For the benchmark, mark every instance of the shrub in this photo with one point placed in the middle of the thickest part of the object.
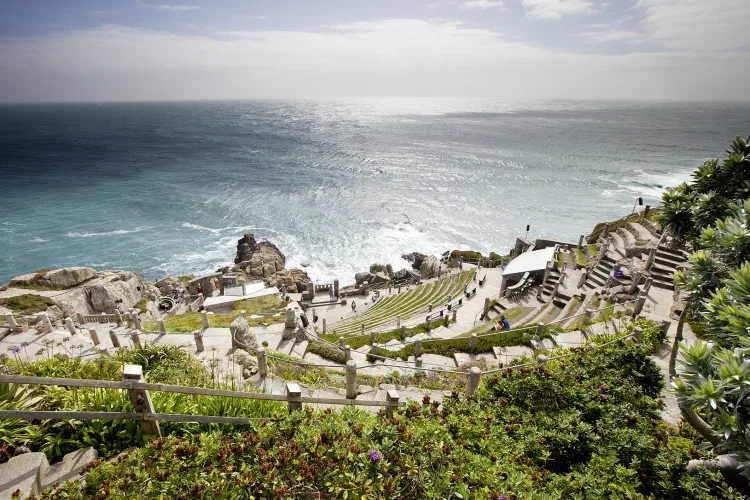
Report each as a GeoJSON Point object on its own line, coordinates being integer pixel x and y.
{"type": "Point", "coordinates": [327, 351]}
{"type": "Point", "coordinates": [27, 303]}
{"type": "Point", "coordinates": [467, 255]}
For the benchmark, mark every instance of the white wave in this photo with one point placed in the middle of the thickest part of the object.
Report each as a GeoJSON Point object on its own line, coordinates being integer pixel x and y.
{"type": "Point", "coordinates": [116, 232]}
{"type": "Point", "coordinates": [37, 239]}
{"type": "Point", "coordinates": [198, 227]}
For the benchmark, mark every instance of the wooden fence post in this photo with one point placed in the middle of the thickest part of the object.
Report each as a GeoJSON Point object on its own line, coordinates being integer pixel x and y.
{"type": "Point", "coordinates": [135, 337]}
{"type": "Point", "coordinates": [391, 396]}
{"type": "Point", "coordinates": [472, 381]}
{"type": "Point", "coordinates": [294, 392]}
{"type": "Point", "coordinates": [351, 379]}
{"type": "Point", "coordinates": [473, 342]}
{"type": "Point", "coordinates": [639, 303]}
{"type": "Point", "coordinates": [418, 348]}
{"type": "Point", "coordinates": [94, 335]}
{"type": "Point", "coordinates": [141, 399]}
{"type": "Point", "coordinates": [403, 333]}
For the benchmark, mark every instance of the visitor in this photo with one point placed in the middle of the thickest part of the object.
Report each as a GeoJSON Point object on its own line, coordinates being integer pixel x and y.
{"type": "Point", "coordinates": [200, 289]}
{"type": "Point", "coordinates": [506, 323]}
{"type": "Point", "coordinates": [283, 290]}
{"type": "Point", "coordinates": [354, 307]}
{"type": "Point", "coordinates": [330, 293]}
{"type": "Point", "coordinates": [497, 326]}
{"type": "Point", "coordinates": [315, 316]}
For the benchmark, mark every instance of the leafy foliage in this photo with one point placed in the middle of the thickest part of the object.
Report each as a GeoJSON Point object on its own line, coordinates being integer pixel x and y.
{"type": "Point", "coordinates": [586, 429]}
{"type": "Point", "coordinates": [27, 303]}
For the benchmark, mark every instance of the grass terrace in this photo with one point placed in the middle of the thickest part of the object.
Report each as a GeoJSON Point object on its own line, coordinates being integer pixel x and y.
{"type": "Point", "coordinates": [405, 305]}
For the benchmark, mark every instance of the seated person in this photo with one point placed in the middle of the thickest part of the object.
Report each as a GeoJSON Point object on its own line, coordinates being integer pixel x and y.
{"type": "Point", "coordinates": [506, 323]}
{"type": "Point", "coordinates": [501, 324]}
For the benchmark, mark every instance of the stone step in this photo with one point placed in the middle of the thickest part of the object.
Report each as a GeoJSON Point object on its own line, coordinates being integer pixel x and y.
{"type": "Point", "coordinates": [660, 270]}
{"type": "Point", "coordinates": [618, 241]}
{"type": "Point", "coordinates": [298, 349]}
{"type": "Point", "coordinates": [676, 254]}
{"type": "Point", "coordinates": [666, 261]}
{"type": "Point", "coordinates": [643, 233]}
{"type": "Point", "coordinates": [463, 358]}
{"type": "Point", "coordinates": [69, 468]}
{"type": "Point", "coordinates": [627, 237]}
{"type": "Point", "coordinates": [31, 473]}
{"type": "Point", "coordinates": [507, 354]}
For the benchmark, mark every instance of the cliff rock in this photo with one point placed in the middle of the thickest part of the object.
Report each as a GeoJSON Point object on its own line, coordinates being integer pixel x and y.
{"type": "Point", "coordinates": [430, 267]}
{"type": "Point", "coordinates": [360, 278]}
{"type": "Point", "coordinates": [264, 260]}
{"type": "Point", "coordinates": [58, 278]}
{"type": "Point", "coordinates": [415, 258]}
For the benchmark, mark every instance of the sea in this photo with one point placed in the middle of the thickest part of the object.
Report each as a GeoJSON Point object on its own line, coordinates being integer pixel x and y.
{"type": "Point", "coordinates": [167, 189]}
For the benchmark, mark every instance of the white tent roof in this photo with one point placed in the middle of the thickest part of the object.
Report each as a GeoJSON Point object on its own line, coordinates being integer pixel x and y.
{"type": "Point", "coordinates": [535, 260]}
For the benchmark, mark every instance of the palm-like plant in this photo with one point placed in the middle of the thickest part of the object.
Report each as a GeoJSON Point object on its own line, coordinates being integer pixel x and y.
{"type": "Point", "coordinates": [676, 214]}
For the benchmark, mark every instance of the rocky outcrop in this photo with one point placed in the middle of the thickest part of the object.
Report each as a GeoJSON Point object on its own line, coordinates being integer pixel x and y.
{"type": "Point", "coordinates": [248, 362]}
{"type": "Point", "coordinates": [430, 267]}
{"type": "Point", "coordinates": [405, 274]}
{"type": "Point", "coordinates": [264, 260]}
{"type": "Point", "coordinates": [360, 278]}
{"type": "Point", "coordinates": [104, 291]}
{"type": "Point", "coordinates": [415, 258]}
{"type": "Point", "coordinates": [67, 277]}
{"type": "Point", "coordinates": [380, 277]}
{"type": "Point", "coordinates": [242, 336]}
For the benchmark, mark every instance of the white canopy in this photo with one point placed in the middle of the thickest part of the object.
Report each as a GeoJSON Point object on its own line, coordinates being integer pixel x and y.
{"type": "Point", "coordinates": [536, 260]}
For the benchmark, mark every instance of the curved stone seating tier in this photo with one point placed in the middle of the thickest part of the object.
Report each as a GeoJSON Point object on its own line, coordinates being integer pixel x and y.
{"type": "Point", "coordinates": [404, 305]}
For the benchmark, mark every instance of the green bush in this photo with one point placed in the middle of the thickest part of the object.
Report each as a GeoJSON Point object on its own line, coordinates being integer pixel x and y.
{"type": "Point", "coordinates": [587, 429]}
{"type": "Point", "coordinates": [467, 255]}
{"type": "Point", "coordinates": [27, 303]}
{"type": "Point", "coordinates": [460, 344]}
{"type": "Point", "coordinates": [327, 351]}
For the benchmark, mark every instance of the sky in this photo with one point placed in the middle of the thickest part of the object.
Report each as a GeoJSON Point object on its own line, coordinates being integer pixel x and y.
{"type": "Point", "coordinates": [132, 50]}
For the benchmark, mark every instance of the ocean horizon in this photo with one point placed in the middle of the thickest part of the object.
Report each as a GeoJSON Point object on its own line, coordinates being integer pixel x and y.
{"type": "Point", "coordinates": [167, 188]}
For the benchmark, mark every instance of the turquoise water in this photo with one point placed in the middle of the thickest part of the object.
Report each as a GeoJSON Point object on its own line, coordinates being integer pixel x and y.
{"type": "Point", "coordinates": [167, 189]}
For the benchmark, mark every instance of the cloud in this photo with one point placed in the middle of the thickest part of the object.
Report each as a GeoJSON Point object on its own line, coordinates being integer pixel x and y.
{"type": "Point", "coordinates": [605, 34]}
{"type": "Point", "coordinates": [177, 7]}
{"type": "Point", "coordinates": [556, 9]}
{"type": "Point", "coordinates": [483, 4]}
{"type": "Point", "coordinates": [702, 25]}
{"type": "Point", "coordinates": [396, 57]}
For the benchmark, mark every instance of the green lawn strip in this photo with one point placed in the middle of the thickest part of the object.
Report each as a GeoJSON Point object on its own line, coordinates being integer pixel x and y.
{"type": "Point", "coordinates": [383, 337]}
{"type": "Point", "coordinates": [436, 293]}
{"type": "Point", "coordinates": [510, 315]}
{"type": "Point", "coordinates": [551, 314]}
{"type": "Point", "coordinates": [378, 309]}
{"type": "Point", "coordinates": [606, 314]}
{"type": "Point", "coordinates": [402, 310]}
{"type": "Point", "coordinates": [593, 251]}
{"type": "Point", "coordinates": [581, 257]}
{"type": "Point", "coordinates": [450, 346]}
{"type": "Point", "coordinates": [258, 305]}
{"type": "Point", "coordinates": [189, 322]}
{"type": "Point", "coordinates": [27, 303]}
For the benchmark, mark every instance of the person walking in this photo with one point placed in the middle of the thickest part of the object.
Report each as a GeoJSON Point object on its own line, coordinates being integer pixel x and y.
{"type": "Point", "coordinates": [330, 293]}
{"type": "Point", "coordinates": [354, 307]}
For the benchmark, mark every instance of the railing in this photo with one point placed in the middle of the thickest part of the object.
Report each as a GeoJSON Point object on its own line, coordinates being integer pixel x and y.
{"type": "Point", "coordinates": [100, 318]}
{"type": "Point", "coordinates": [196, 304]}
{"type": "Point", "coordinates": [139, 394]}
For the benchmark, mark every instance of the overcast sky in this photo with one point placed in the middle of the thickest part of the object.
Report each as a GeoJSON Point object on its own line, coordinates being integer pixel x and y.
{"type": "Point", "coordinates": [108, 50]}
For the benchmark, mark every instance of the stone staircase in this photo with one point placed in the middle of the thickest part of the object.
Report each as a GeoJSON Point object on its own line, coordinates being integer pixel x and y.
{"type": "Point", "coordinates": [663, 268]}
{"type": "Point", "coordinates": [600, 274]}
{"type": "Point", "coordinates": [31, 474]}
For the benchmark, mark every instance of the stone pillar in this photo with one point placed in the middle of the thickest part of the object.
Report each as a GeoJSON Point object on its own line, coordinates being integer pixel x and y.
{"type": "Point", "coordinates": [503, 286]}
{"type": "Point", "coordinates": [638, 334]}
{"type": "Point", "coordinates": [454, 315]}
{"type": "Point", "coordinates": [135, 338]}
{"type": "Point", "coordinates": [118, 317]}
{"type": "Point", "coordinates": [584, 276]}
{"type": "Point", "coordinates": [347, 353]}
{"type": "Point", "coordinates": [374, 351]}
{"type": "Point", "coordinates": [398, 321]}
{"type": "Point", "coordinates": [324, 326]}
{"type": "Point", "coordinates": [243, 313]}
{"type": "Point", "coordinates": [47, 323]}
{"type": "Point", "coordinates": [428, 324]}
{"type": "Point", "coordinates": [639, 304]}
{"type": "Point", "coordinates": [351, 380]}
{"type": "Point", "coordinates": [418, 362]}
{"type": "Point", "coordinates": [651, 257]}
{"type": "Point", "coordinates": [342, 341]}
{"type": "Point", "coordinates": [392, 397]}
{"type": "Point", "coordinates": [635, 283]}
{"type": "Point", "coordinates": [647, 286]}
{"type": "Point", "coordinates": [336, 288]}
{"type": "Point", "coordinates": [204, 317]}
{"type": "Point", "coordinates": [466, 288]}
{"type": "Point", "coordinates": [71, 327]}
{"type": "Point", "coordinates": [473, 343]}
{"type": "Point", "coordinates": [198, 336]}
{"type": "Point", "coordinates": [429, 307]}
{"type": "Point", "coordinates": [606, 230]}
{"type": "Point", "coordinates": [262, 362]}
{"type": "Point", "coordinates": [418, 348]}
{"type": "Point", "coordinates": [136, 319]}
{"type": "Point", "coordinates": [79, 318]}
{"type": "Point", "coordinates": [294, 392]}
{"type": "Point", "coordinates": [114, 338]}
{"type": "Point", "coordinates": [542, 359]}
{"type": "Point", "coordinates": [540, 330]}
{"type": "Point", "coordinates": [94, 336]}
{"type": "Point", "coordinates": [141, 399]}
{"type": "Point", "coordinates": [645, 213]}
{"type": "Point", "coordinates": [403, 333]}
{"type": "Point", "coordinates": [399, 289]}
{"type": "Point", "coordinates": [580, 242]}
{"type": "Point", "coordinates": [162, 328]}
{"type": "Point", "coordinates": [472, 381]}
{"type": "Point", "coordinates": [291, 319]}
{"type": "Point", "coordinates": [372, 338]}
{"type": "Point", "coordinates": [311, 290]}
{"type": "Point", "coordinates": [486, 309]}
{"type": "Point", "coordinates": [129, 320]}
